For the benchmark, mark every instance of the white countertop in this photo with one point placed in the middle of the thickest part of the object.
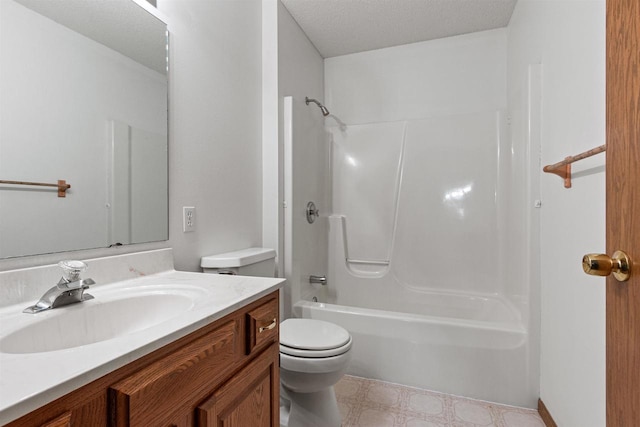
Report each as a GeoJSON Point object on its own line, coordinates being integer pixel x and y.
{"type": "Point", "coordinates": [29, 381]}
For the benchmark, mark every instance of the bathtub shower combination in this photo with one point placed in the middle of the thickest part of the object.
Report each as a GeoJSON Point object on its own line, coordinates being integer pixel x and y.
{"type": "Point", "coordinates": [430, 254]}
{"type": "Point", "coordinates": [423, 263]}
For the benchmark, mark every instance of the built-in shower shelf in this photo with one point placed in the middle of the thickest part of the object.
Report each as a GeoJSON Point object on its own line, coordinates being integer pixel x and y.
{"type": "Point", "coordinates": [367, 261]}
{"type": "Point", "coordinates": [563, 168]}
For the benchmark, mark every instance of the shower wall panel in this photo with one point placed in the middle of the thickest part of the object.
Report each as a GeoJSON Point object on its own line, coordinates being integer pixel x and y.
{"type": "Point", "coordinates": [366, 173]}
{"type": "Point", "coordinates": [422, 197]}
{"type": "Point", "coordinates": [447, 232]}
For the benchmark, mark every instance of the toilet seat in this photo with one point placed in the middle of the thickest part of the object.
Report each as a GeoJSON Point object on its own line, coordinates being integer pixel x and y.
{"type": "Point", "coordinates": [314, 354]}
{"type": "Point", "coordinates": [315, 365]}
{"type": "Point", "coordinates": [313, 338]}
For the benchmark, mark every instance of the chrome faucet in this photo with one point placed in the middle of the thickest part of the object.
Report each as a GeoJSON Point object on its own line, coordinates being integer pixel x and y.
{"type": "Point", "coordinates": [69, 290]}
{"type": "Point", "coordinates": [318, 279]}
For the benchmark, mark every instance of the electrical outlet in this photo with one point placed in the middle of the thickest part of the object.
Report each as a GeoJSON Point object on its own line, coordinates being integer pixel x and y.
{"type": "Point", "coordinates": [188, 219]}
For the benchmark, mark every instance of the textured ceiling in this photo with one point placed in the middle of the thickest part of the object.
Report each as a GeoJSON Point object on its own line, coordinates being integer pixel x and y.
{"type": "Point", "coordinates": [121, 25]}
{"type": "Point", "coordinates": [339, 27]}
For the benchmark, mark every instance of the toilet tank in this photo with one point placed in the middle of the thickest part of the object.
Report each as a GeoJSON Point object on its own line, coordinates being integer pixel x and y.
{"type": "Point", "coordinates": [247, 262]}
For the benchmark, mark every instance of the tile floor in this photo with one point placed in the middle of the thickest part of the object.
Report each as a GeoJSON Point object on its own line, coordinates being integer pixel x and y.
{"type": "Point", "coordinates": [372, 403]}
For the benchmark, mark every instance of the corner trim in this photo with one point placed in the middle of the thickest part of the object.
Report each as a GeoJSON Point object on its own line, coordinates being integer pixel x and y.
{"type": "Point", "coordinates": [545, 415]}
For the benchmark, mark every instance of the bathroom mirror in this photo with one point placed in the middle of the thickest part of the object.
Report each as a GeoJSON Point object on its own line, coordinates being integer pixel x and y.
{"type": "Point", "coordinates": [83, 99]}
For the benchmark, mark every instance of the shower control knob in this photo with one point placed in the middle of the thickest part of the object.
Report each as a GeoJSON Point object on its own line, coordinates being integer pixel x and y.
{"type": "Point", "coordinates": [603, 265]}
{"type": "Point", "coordinates": [312, 212]}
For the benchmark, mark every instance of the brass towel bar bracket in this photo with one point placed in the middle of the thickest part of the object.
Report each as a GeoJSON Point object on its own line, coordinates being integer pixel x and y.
{"type": "Point", "coordinates": [61, 185]}
{"type": "Point", "coordinates": [563, 168]}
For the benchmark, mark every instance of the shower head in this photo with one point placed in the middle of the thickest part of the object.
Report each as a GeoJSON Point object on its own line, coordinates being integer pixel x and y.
{"type": "Point", "coordinates": [324, 110]}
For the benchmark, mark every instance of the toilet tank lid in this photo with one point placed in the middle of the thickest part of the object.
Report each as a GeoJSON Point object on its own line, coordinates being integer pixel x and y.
{"type": "Point", "coordinates": [237, 258]}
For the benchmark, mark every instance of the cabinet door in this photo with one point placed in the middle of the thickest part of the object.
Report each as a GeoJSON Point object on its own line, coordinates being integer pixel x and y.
{"type": "Point", "coordinates": [172, 386]}
{"type": "Point", "coordinates": [250, 398]}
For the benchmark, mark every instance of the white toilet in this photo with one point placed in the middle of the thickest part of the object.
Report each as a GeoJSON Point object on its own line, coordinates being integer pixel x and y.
{"type": "Point", "coordinates": [314, 354]}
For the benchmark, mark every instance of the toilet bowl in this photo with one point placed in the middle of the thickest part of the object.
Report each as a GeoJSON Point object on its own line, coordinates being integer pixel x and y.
{"type": "Point", "coordinates": [314, 355]}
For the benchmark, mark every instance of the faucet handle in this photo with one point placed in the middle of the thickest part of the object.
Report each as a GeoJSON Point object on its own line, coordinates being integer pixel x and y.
{"type": "Point", "coordinates": [71, 269]}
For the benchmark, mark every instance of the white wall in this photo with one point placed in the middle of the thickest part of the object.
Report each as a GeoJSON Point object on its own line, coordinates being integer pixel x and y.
{"type": "Point", "coordinates": [568, 39]}
{"type": "Point", "coordinates": [214, 132]}
{"type": "Point", "coordinates": [300, 74]}
{"type": "Point", "coordinates": [215, 126]}
{"type": "Point", "coordinates": [52, 128]}
{"type": "Point", "coordinates": [454, 75]}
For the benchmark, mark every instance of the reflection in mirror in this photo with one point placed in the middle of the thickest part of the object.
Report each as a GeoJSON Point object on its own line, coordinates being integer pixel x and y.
{"type": "Point", "coordinates": [84, 99]}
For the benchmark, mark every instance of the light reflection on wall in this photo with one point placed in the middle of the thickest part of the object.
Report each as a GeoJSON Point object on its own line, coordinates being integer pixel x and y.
{"type": "Point", "coordinates": [455, 197]}
{"type": "Point", "coordinates": [352, 161]}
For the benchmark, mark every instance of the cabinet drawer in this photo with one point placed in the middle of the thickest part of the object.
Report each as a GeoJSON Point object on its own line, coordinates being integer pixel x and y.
{"type": "Point", "coordinates": [262, 325]}
{"type": "Point", "coordinates": [152, 395]}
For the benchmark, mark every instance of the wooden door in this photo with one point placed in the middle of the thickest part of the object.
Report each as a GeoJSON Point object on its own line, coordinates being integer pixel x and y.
{"type": "Point", "coordinates": [623, 210]}
{"type": "Point", "coordinates": [250, 398]}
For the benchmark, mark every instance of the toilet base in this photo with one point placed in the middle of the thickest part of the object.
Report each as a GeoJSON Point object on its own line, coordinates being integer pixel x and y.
{"type": "Point", "coordinates": [319, 409]}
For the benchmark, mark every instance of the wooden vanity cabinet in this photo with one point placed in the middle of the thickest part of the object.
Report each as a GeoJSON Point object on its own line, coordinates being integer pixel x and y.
{"type": "Point", "coordinates": [225, 374]}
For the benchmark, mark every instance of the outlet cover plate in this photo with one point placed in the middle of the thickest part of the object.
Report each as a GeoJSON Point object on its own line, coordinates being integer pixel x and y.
{"type": "Point", "coordinates": [188, 219]}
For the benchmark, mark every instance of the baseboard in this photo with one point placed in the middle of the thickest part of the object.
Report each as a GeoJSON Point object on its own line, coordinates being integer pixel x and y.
{"type": "Point", "coordinates": [545, 415]}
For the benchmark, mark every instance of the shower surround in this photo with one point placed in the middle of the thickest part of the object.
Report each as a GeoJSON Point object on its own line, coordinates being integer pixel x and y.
{"type": "Point", "coordinates": [430, 243]}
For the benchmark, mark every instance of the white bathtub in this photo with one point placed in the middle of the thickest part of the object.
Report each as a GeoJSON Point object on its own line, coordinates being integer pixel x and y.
{"type": "Point", "coordinates": [483, 357]}
{"type": "Point", "coordinates": [445, 332]}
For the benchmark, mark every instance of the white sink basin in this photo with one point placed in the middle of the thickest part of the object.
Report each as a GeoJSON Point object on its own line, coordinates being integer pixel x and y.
{"type": "Point", "coordinates": [109, 315]}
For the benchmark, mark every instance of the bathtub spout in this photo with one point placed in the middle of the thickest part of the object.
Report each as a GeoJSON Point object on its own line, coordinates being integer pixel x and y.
{"type": "Point", "coordinates": [318, 279]}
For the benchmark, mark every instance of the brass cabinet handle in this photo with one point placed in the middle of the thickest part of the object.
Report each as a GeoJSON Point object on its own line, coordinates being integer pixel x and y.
{"type": "Point", "coordinates": [272, 325]}
{"type": "Point", "coordinates": [603, 265]}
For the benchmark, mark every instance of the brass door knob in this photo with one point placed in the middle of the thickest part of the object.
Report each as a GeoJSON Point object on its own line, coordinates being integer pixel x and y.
{"type": "Point", "coordinates": [603, 265]}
